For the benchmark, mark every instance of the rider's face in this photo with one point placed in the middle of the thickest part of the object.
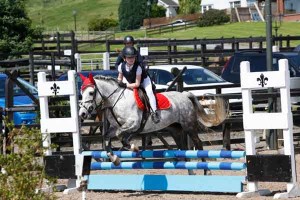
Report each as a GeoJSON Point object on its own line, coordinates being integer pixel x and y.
{"type": "Point", "coordinates": [129, 44]}
{"type": "Point", "coordinates": [130, 60]}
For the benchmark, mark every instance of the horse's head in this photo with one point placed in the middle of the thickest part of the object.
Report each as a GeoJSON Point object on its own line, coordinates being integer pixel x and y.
{"type": "Point", "coordinates": [88, 92]}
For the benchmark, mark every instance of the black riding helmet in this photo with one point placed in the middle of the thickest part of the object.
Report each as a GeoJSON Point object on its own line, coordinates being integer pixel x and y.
{"type": "Point", "coordinates": [129, 52]}
{"type": "Point", "coordinates": [128, 39]}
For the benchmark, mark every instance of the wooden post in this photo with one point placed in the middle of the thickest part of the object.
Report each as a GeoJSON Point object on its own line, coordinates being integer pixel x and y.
{"type": "Point", "coordinates": [53, 67]}
{"type": "Point", "coordinates": [288, 41]}
{"type": "Point", "coordinates": [280, 41]}
{"type": "Point", "coordinates": [203, 49]}
{"type": "Point", "coordinates": [73, 41]}
{"type": "Point", "coordinates": [58, 44]}
{"type": "Point", "coordinates": [195, 48]}
{"type": "Point", "coordinates": [9, 93]}
{"type": "Point", "coordinates": [107, 45]}
{"type": "Point", "coordinates": [31, 67]}
{"type": "Point", "coordinates": [43, 47]}
{"type": "Point", "coordinates": [175, 51]}
{"type": "Point", "coordinates": [250, 43]}
{"type": "Point", "coordinates": [169, 52]}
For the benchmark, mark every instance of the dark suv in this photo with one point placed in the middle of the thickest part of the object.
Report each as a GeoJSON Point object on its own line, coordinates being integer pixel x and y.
{"type": "Point", "coordinates": [257, 59]}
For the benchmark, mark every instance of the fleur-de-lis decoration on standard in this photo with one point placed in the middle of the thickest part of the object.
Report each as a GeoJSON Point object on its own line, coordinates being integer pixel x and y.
{"type": "Point", "coordinates": [55, 89]}
{"type": "Point", "coordinates": [262, 80]}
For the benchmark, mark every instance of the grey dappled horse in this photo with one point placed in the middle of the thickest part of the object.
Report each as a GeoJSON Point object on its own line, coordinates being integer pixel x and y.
{"type": "Point", "coordinates": [183, 117]}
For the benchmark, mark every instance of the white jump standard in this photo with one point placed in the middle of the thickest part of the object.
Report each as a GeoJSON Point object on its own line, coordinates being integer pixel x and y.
{"type": "Point", "coordinates": [270, 168]}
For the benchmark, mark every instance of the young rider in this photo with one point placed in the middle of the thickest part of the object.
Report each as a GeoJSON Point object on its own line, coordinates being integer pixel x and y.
{"type": "Point", "coordinates": [132, 76]}
{"type": "Point", "coordinates": [128, 42]}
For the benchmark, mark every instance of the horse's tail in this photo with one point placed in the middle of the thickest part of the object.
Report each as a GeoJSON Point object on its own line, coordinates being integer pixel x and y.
{"type": "Point", "coordinates": [215, 114]}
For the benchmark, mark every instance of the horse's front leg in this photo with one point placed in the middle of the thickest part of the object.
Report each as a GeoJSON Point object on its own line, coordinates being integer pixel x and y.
{"type": "Point", "coordinates": [125, 133]}
{"type": "Point", "coordinates": [107, 146]}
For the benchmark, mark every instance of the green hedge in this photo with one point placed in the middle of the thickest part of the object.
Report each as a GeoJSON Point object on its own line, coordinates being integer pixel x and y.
{"type": "Point", "coordinates": [213, 17]}
{"type": "Point", "coordinates": [98, 24]}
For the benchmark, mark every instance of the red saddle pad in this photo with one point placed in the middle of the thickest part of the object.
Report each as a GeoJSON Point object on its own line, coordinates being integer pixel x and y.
{"type": "Point", "coordinates": [163, 102]}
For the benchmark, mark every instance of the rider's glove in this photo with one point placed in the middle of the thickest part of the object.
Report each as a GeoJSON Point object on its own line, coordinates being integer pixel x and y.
{"type": "Point", "coordinates": [121, 84]}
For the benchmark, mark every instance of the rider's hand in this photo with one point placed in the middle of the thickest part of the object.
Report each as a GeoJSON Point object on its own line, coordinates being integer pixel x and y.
{"type": "Point", "coordinates": [121, 84]}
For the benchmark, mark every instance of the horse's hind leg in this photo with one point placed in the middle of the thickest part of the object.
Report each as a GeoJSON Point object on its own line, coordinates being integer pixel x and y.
{"type": "Point", "coordinates": [125, 139]}
{"type": "Point", "coordinates": [180, 138]}
{"type": "Point", "coordinates": [198, 145]}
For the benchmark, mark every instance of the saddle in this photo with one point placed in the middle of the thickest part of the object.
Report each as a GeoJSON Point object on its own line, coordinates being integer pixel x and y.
{"type": "Point", "coordinates": [143, 103]}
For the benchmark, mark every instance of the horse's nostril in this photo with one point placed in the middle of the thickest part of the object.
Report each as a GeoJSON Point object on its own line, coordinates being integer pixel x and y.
{"type": "Point", "coordinates": [91, 108]}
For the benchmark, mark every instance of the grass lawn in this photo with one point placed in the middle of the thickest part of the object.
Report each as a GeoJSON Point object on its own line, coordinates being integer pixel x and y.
{"type": "Point", "coordinates": [238, 30]}
{"type": "Point", "coordinates": [58, 14]}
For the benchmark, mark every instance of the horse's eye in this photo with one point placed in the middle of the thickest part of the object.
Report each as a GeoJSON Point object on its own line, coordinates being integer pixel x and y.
{"type": "Point", "coordinates": [91, 93]}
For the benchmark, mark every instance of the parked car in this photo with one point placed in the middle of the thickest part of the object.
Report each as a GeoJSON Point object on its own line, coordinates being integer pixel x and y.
{"type": "Point", "coordinates": [194, 76]}
{"type": "Point", "coordinates": [20, 99]}
{"type": "Point", "coordinates": [257, 59]}
{"type": "Point", "coordinates": [112, 73]}
{"type": "Point", "coordinates": [178, 22]}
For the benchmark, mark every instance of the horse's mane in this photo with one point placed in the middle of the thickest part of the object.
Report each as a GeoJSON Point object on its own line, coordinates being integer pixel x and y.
{"type": "Point", "coordinates": [107, 78]}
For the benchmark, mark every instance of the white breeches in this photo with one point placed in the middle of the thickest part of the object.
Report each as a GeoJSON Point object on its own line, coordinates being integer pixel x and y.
{"type": "Point", "coordinates": [148, 87]}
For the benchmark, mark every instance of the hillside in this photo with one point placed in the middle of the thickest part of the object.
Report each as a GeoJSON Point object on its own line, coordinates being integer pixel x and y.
{"type": "Point", "coordinates": [58, 14]}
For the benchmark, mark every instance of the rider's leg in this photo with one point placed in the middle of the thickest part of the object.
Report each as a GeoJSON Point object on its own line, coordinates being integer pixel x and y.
{"type": "Point", "coordinates": [148, 88]}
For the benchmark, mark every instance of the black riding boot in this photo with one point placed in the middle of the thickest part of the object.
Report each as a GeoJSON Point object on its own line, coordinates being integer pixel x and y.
{"type": "Point", "coordinates": [155, 117]}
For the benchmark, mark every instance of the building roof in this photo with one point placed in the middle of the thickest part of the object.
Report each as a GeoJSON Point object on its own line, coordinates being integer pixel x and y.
{"type": "Point", "coordinates": [169, 3]}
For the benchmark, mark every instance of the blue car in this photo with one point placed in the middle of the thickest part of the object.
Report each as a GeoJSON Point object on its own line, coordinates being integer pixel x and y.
{"type": "Point", "coordinates": [20, 99]}
{"type": "Point", "coordinates": [111, 73]}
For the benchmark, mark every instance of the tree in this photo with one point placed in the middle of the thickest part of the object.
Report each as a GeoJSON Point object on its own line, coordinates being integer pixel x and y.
{"type": "Point", "coordinates": [189, 6]}
{"type": "Point", "coordinates": [16, 33]}
{"type": "Point", "coordinates": [132, 13]}
{"type": "Point", "coordinates": [157, 11]}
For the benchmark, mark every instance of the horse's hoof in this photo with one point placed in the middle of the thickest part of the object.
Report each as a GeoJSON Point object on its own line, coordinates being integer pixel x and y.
{"type": "Point", "coordinates": [114, 159]}
{"type": "Point", "coordinates": [134, 148]}
{"type": "Point", "coordinates": [208, 173]}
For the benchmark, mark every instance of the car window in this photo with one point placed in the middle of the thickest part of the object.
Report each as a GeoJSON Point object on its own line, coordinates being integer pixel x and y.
{"type": "Point", "coordinates": [295, 61]}
{"type": "Point", "coordinates": [152, 75]}
{"type": "Point", "coordinates": [163, 77]}
{"type": "Point", "coordinates": [257, 62]}
{"type": "Point", "coordinates": [200, 76]}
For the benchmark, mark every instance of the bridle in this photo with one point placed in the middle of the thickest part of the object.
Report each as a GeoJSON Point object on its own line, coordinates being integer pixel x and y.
{"type": "Point", "coordinates": [90, 109]}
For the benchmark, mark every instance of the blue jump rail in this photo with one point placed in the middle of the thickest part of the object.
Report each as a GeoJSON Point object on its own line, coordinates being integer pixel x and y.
{"type": "Point", "coordinates": [170, 165]}
{"type": "Point", "coordinates": [170, 154]}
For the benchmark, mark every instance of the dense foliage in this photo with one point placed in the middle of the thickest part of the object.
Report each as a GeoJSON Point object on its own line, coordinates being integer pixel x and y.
{"type": "Point", "coordinates": [213, 17]}
{"type": "Point", "coordinates": [189, 6]}
{"type": "Point", "coordinates": [98, 24]}
{"type": "Point", "coordinates": [157, 11]}
{"type": "Point", "coordinates": [132, 13]}
{"type": "Point", "coordinates": [22, 171]}
{"type": "Point", "coordinates": [16, 33]}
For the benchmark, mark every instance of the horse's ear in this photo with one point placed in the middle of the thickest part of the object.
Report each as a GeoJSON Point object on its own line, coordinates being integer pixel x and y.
{"type": "Point", "coordinates": [91, 78]}
{"type": "Point", "coordinates": [82, 77]}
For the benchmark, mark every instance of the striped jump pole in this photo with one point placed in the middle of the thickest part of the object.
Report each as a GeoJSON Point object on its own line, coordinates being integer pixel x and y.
{"type": "Point", "coordinates": [164, 182]}
{"type": "Point", "coordinates": [170, 165]}
{"type": "Point", "coordinates": [169, 154]}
